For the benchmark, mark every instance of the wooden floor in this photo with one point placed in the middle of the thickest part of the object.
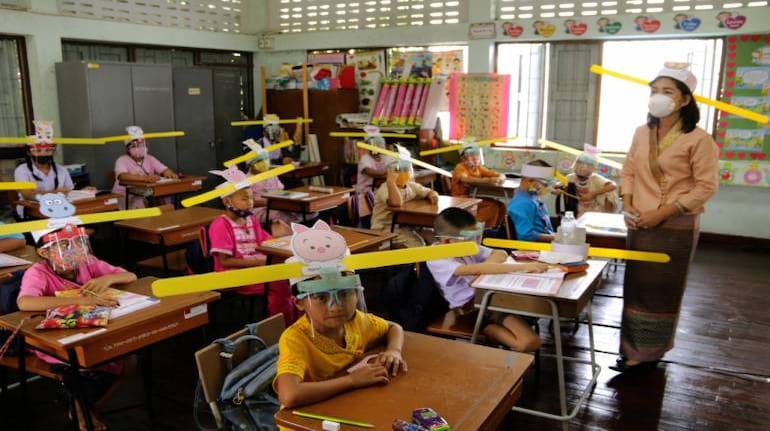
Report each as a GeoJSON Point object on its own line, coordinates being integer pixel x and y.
{"type": "Point", "coordinates": [716, 378]}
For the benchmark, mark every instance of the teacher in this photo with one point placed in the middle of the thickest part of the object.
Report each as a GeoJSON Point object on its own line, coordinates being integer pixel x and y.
{"type": "Point", "coordinates": [670, 172]}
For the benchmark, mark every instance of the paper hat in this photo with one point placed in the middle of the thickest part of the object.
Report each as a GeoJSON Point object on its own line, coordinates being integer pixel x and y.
{"type": "Point", "coordinates": [135, 133]}
{"type": "Point", "coordinates": [373, 136]}
{"type": "Point", "coordinates": [539, 172]}
{"type": "Point", "coordinates": [271, 120]}
{"type": "Point", "coordinates": [680, 72]}
{"type": "Point", "coordinates": [319, 247]}
{"type": "Point", "coordinates": [234, 176]}
{"type": "Point", "coordinates": [589, 156]}
{"type": "Point", "coordinates": [43, 132]}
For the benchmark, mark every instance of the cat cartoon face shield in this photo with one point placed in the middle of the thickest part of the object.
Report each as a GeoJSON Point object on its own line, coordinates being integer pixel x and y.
{"type": "Point", "coordinates": [68, 247]}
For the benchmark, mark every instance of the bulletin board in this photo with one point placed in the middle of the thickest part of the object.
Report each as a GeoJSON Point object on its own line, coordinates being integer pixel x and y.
{"type": "Point", "coordinates": [744, 144]}
{"type": "Point", "coordinates": [478, 105]}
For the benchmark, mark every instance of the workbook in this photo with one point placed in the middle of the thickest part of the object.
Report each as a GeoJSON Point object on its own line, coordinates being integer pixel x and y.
{"type": "Point", "coordinates": [281, 243]}
{"type": "Point", "coordinates": [128, 302]}
{"type": "Point", "coordinates": [546, 283]}
{"type": "Point", "coordinates": [285, 194]}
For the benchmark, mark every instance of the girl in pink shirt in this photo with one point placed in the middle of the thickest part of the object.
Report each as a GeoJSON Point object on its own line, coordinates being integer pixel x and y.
{"type": "Point", "coordinates": [138, 165]}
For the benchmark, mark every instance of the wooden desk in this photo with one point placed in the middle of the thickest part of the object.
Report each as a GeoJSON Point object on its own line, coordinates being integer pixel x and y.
{"type": "Point", "coordinates": [185, 184]}
{"type": "Point", "coordinates": [494, 191]}
{"type": "Point", "coordinates": [314, 202]}
{"type": "Point", "coordinates": [574, 295]}
{"type": "Point", "coordinates": [420, 212]}
{"type": "Point", "coordinates": [307, 170]}
{"type": "Point", "coordinates": [358, 240]}
{"type": "Point", "coordinates": [101, 203]}
{"type": "Point", "coordinates": [604, 229]}
{"type": "Point", "coordinates": [170, 228]}
{"type": "Point", "coordinates": [27, 252]}
{"type": "Point", "coordinates": [122, 336]}
{"type": "Point", "coordinates": [473, 387]}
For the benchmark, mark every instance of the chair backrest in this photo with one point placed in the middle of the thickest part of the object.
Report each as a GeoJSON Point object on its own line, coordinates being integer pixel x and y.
{"type": "Point", "coordinates": [212, 369]}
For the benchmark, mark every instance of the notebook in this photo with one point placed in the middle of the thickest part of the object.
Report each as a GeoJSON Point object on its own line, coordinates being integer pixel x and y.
{"type": "Point", "coordinates": [285, 194]}
{"type": "Point", "coordinates": [128, 302]}
{"type": "Point", "coordinates": [281, 243]}
{"type": "Point", "coordinates": [546, 283]}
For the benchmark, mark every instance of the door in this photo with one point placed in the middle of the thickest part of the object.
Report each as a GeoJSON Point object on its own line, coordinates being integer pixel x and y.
{"type": "Point", "coordinates": [154, 108]}
{"type": "Point", "coordinates": [227, 108]}
{"type": "Point", "coordinates": [572, 96]}
{"type": "Point", "coordinates": [194, 114]}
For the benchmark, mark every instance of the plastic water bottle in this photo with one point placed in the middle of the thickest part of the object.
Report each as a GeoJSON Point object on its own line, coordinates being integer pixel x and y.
{"type": "Point", "coordinates": [568, 226]}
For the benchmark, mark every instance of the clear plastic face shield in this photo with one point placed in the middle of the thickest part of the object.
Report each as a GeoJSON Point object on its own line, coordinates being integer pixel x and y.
{"type": "Point", "coordinates": [584, 167]}
{"type": "Point", "coordinates": [41, 153]}
{"type": "Point", "coordinates": [137, 148]}
{"type": "Point", "coordinates": [404, 170]}
{"type": "Point", "coordinates": [471, 156]}
{"type": "Point", "coordinates": [272, 132]}
{"type": "Point", "coordinates": [377, 141]}
{"type": "Point", "coordinates": [67, 248]}
{"type": "Point", "coordinates": [260, 163]}
{"type": "Point", "coordinates": [331, 299]}
{"type": "Point", "coordinates": [468, 234]}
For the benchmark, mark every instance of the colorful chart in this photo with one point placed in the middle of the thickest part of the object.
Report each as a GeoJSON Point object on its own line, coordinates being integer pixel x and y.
{"type": "Point", "coordinates": [478, 105]}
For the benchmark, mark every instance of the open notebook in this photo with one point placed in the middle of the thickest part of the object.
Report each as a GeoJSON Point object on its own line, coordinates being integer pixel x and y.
{"type": "Point", "coordinates": [128, 302]}
{"type": "Point", "coordinates": [546, 283]}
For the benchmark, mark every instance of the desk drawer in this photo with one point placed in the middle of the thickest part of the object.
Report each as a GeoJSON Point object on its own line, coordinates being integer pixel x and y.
{"type": "Point", "coordinates": [181, 236]}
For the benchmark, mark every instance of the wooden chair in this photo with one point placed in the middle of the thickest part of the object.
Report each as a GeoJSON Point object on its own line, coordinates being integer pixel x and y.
{"type": "Point", "coordinates": [212, 369]}
{"type": "Point", "coordinates": [455, 325]}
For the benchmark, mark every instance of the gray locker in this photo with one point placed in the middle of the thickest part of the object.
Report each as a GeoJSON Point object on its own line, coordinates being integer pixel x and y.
{"type": "Point", "coordinates": [194, 113]}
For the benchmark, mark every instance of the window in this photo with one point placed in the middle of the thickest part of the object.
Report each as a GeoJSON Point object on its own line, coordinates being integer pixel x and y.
{"type": "Point", "coordinates": [526, 63]}
{"type": "Point", "coordinates": [623, 105]}
{"type": "Point", "coordinates": [15, 106]}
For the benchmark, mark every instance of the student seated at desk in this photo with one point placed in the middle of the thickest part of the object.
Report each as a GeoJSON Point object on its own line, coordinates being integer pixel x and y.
{"type": "Point", "coordinates": [273, 133]}
{"type": "Point", "coordinates": [68, 264]}
{"type": "Point", "coordinates": [138, 165]}
{"type": "Point", "coordinates": [399, 188]}
{"type": "Point", "coordinates": [596, 193]}
{"type": "Point", "coordinates": [468, 173]}
{"type": "Point", "coordinates": [526, 210]}
{"type": "Point", "coordinates": [371, 165]}
{"type": "Point", "coordinates": [332, 335]}
{"type": "Point", "coordinates": [235, 236]}
{"type": "Point", "coordinates": [454, 277]}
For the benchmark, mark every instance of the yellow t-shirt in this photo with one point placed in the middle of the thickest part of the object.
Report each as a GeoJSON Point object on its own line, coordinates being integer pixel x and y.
{"type": "Point", "coordinates": [318, 358]}
{"type": "Point", "coordinates": [381, 215]}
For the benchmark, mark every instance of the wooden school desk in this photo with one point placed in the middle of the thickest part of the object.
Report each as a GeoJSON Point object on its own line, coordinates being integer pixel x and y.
{"type": "Point", "coordinates": [574, 295]}
{"type": "Point", "coordinates": [27, 253]}
{"type": "Point", "coordinates": [170, 228]}
{"type": "Point", "coordinates": [313, 202]}
{"type": "Point", "coordinates": [420, 212]}
{"type": "Point", "coordinates": [495, 191]}
{"type": "Point", "coordinates": [473, 387]}
{"type": "Point", "coordinates": [306, 170]}
{"type": "Point", "coordinates": [89, 347]}
{"type": "Point", "coordinates": [101, 203]}
{"type": "Point", "coordinates": [358, 240]}
{"type": "Point", "coordinates": [167, 187]}
{"type": "Point", "coordinates": [604, 229]}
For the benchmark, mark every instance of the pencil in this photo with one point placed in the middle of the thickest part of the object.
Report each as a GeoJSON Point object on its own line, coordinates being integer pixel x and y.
{"type": "Point", "coordinates": [363, 241]}
{"type": "Point", "coordinates": [329, 418]}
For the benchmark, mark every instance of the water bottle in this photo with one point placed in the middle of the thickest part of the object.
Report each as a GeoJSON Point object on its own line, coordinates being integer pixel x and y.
{"type": "Point", "coordinates": [568, 226]}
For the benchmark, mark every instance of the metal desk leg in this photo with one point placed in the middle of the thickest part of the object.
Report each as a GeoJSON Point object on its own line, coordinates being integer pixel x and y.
{"type": "Point", "coordinates": [474, 191]}
{"type": "Point", "coordinates": [79, 391]}
{"type": "Point", "coordinates": [480, 317]}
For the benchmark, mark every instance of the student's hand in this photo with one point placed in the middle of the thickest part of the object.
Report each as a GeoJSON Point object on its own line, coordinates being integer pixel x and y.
{"type": "Point", "coordinates": [391, 177]}
{"type": "Point", "coordinates": [152, 178]}
{"type": "Point", "coordinates": [280, 228]}
{"type": "Point", "coordinates": [392, 360]}
{"type": "Point", "coordinates": [534, 267]}
{"type": "Point", "coordinates": [587, 196]}
{"type": "Point", "coordinates": [97, 300]}
{"type": "Point", "coordinates": [98, 284]}
{"type": "Point", "coordinates": [650, 219]}
{"type": "Point", "coordinates": [287, 160]}
{"type": "Point", "coordinates": [368, 375]}
{"type": "Point", "coordinates": [433, 197]}
{"type": "Point", "coordinates": [170, 174]}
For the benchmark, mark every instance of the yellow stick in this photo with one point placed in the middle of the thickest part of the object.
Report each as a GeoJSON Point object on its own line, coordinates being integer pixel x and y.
{"type": "Point", "coordinates": [612, 253]}
{"type": "Point", "coordinates": [398, 156]}
{"type": "Point", "coordinates": [575, 151]}
{"type": "Point", "coordinates": [230, 188]}
{"type": "Point", "coordinates": [260, 122]}
{"type": "Point", "coordinates": [154, 135]}
{"type": "Point", "coordinates": [252, 154]}
{"type": "Point", "coordinates": [364, 135]}
{"type": "Point", "coordinates": [722, 106]}
{"type": "Point", "coordinates": [29, 226]}
{"type": "Point", "coordinates": [18, 185]}
{"type": "Point", "coordinates": [57, 141]}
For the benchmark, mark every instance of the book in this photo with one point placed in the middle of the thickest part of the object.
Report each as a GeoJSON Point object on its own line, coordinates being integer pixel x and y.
{"type": "Point", "coordinates": [282, 243]}
{"type": "Point", "coordinates": [285, 194]}
{"type": "Point", "coordinates": [79, 195]}
{"type": "Point", "coordinates": [7, 260]}
{"type": "Point", "coordinates": [128, 302]}
{"type": "Point", "coordinates": [546, 283]}
{"type": "Point", "coordinates": [321, 189]}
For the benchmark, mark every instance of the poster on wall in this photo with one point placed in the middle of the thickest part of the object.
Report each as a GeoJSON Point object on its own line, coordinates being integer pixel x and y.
{"type": "Point", "coordinates": [448, 62]}
{"type": "Point", "coordinates": [370, 69]}
{"type": "Point", "coordinates": [410, 64]}
{"type": "Point", "coordinates": [478, 105]}
{"type": "Point", "coordinates": [744, 144]}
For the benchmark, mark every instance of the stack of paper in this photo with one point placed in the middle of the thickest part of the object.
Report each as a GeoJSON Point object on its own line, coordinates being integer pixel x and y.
{"type": "Point", "coordinates": [546, 283]}
{"type": "Point", "coordinates": [7, 261]}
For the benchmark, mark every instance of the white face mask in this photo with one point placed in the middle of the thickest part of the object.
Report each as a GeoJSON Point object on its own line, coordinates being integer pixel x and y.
{"type": "Point", "coordinates": [660, 105]}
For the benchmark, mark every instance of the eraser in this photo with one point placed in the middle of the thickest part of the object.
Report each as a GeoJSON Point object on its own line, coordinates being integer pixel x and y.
{"type": "Point", "coordinates": [330, 426]}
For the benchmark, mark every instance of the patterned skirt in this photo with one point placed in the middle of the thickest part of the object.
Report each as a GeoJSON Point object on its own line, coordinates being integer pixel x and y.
{"type": "Point", "coordinates": [652, 292]}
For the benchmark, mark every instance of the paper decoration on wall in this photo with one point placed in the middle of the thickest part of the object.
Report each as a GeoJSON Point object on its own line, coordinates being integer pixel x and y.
{"type": "Point", "coordinates": [543, 28]}
{"type": "Point", "coordinates": [411, 64]}
{"type": "Point", "coordinates": [401, 102]}
{"type": "Point", "coordinates": [447, 62]}
{"type": "Point", "coordinates": [608, 25]}
{"type": "Point", "coordinates": [478, 105]}
{"type": "Point", "coordinates": [575, 27]}
{"type": "Point", "coordinates": [370, 69]}
{"type": "Point", "coordinates": [744, 144]}
{"type": "Point", "coordinates": [730, 20]}
{"type": "Point", "coordinates": [512, 30]}
{"type": "Point", "coordinates": [646, 24]}
{"type": "Point", "coordinates": [685, 22]}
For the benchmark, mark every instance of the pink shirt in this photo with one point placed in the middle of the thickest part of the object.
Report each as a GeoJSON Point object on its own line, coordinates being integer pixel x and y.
{"type": "Point", "coordinates": [237, 240]}
{"type": "Point", "coordinates": [40, 280]}
{"type": "Point", "coordinates": [690, 166]}
{"type": "Point", "coordinates": [126, 165]}
{"type": "Point", "coordinates": [456, 290]}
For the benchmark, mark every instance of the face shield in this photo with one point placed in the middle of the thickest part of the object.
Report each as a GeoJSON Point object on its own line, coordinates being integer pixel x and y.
{"type": "Point", "coordinates": [272, 132]}
{"type": "Point", "coordinates": [332, 299]}
{"type": "Point", "coordinates": [584, 166]}
{"type": "Point", "coordinates": [68, 248]}
{"type": "Point", "coordinates": [404, 170]}
{"type": "Point", "coordinates": [471, 234]}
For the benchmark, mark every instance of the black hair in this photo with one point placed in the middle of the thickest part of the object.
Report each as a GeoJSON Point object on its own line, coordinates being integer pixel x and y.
{"type": "Point", "coordinates": [28, 161]}
{"type": "Point", "coordinates": [689, 113]}
{"type": "Point", "coordinates": [452, 220]}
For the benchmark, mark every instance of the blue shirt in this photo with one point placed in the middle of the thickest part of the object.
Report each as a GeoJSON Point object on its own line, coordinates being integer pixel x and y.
{"type": "Point", "coordinates": [529, 215]}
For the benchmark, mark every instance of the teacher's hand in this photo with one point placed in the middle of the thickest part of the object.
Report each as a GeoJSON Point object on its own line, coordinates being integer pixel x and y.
{"type": "Point", "coordinates": [650, 219]}
{"type": "Point", "coordinates": [630, 216]}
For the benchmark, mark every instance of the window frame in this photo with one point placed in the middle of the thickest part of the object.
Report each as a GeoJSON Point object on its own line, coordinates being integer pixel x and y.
{"type": "Point", "coordinates": [26, 91]}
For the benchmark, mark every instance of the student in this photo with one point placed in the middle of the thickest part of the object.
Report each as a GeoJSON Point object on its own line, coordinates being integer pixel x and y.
{"type": "Point", "coordinates": [67, 263]}
{"type": "Point", "coordinates": [454, 276]}
{"type": "Point", "coordinates": [137, 165]}
{"type": "Point", "coordinates": [468, 173]}
{"type": "Point", "coordinates": [596, 193]}
{"type": "Point", "coordinates": [331, 336]}
{"type": "Point", "coordinates": [371, 165]}
{"type": "Point", "coordinates": [526, 210]}
{"type": "Point", "coordinates": [235, 236]}
{"type": "Point", "coordinates": [399, 188]}
{"type": "Point", "coordinates": [273, 133]}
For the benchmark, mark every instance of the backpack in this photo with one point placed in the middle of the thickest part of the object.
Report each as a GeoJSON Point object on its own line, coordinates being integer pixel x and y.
{"type": "Point", "coordinates": [199, 260]}
{"type": "Point", "coordinates": [413, 300]}
{"type": "Point", "coordinates": [247, 399]}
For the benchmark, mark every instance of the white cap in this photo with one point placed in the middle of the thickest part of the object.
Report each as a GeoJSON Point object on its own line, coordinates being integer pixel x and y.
{"type": "Point", "coordinates": [134, 133]}
{"type": "Point", "coordinates": [542, 172]}
{"type": "Point", "coordinates": [680, 72]}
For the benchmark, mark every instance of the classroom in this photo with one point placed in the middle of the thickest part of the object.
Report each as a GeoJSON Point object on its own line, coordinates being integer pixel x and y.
{"type": "Point", "coordinates": [408, 215]}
